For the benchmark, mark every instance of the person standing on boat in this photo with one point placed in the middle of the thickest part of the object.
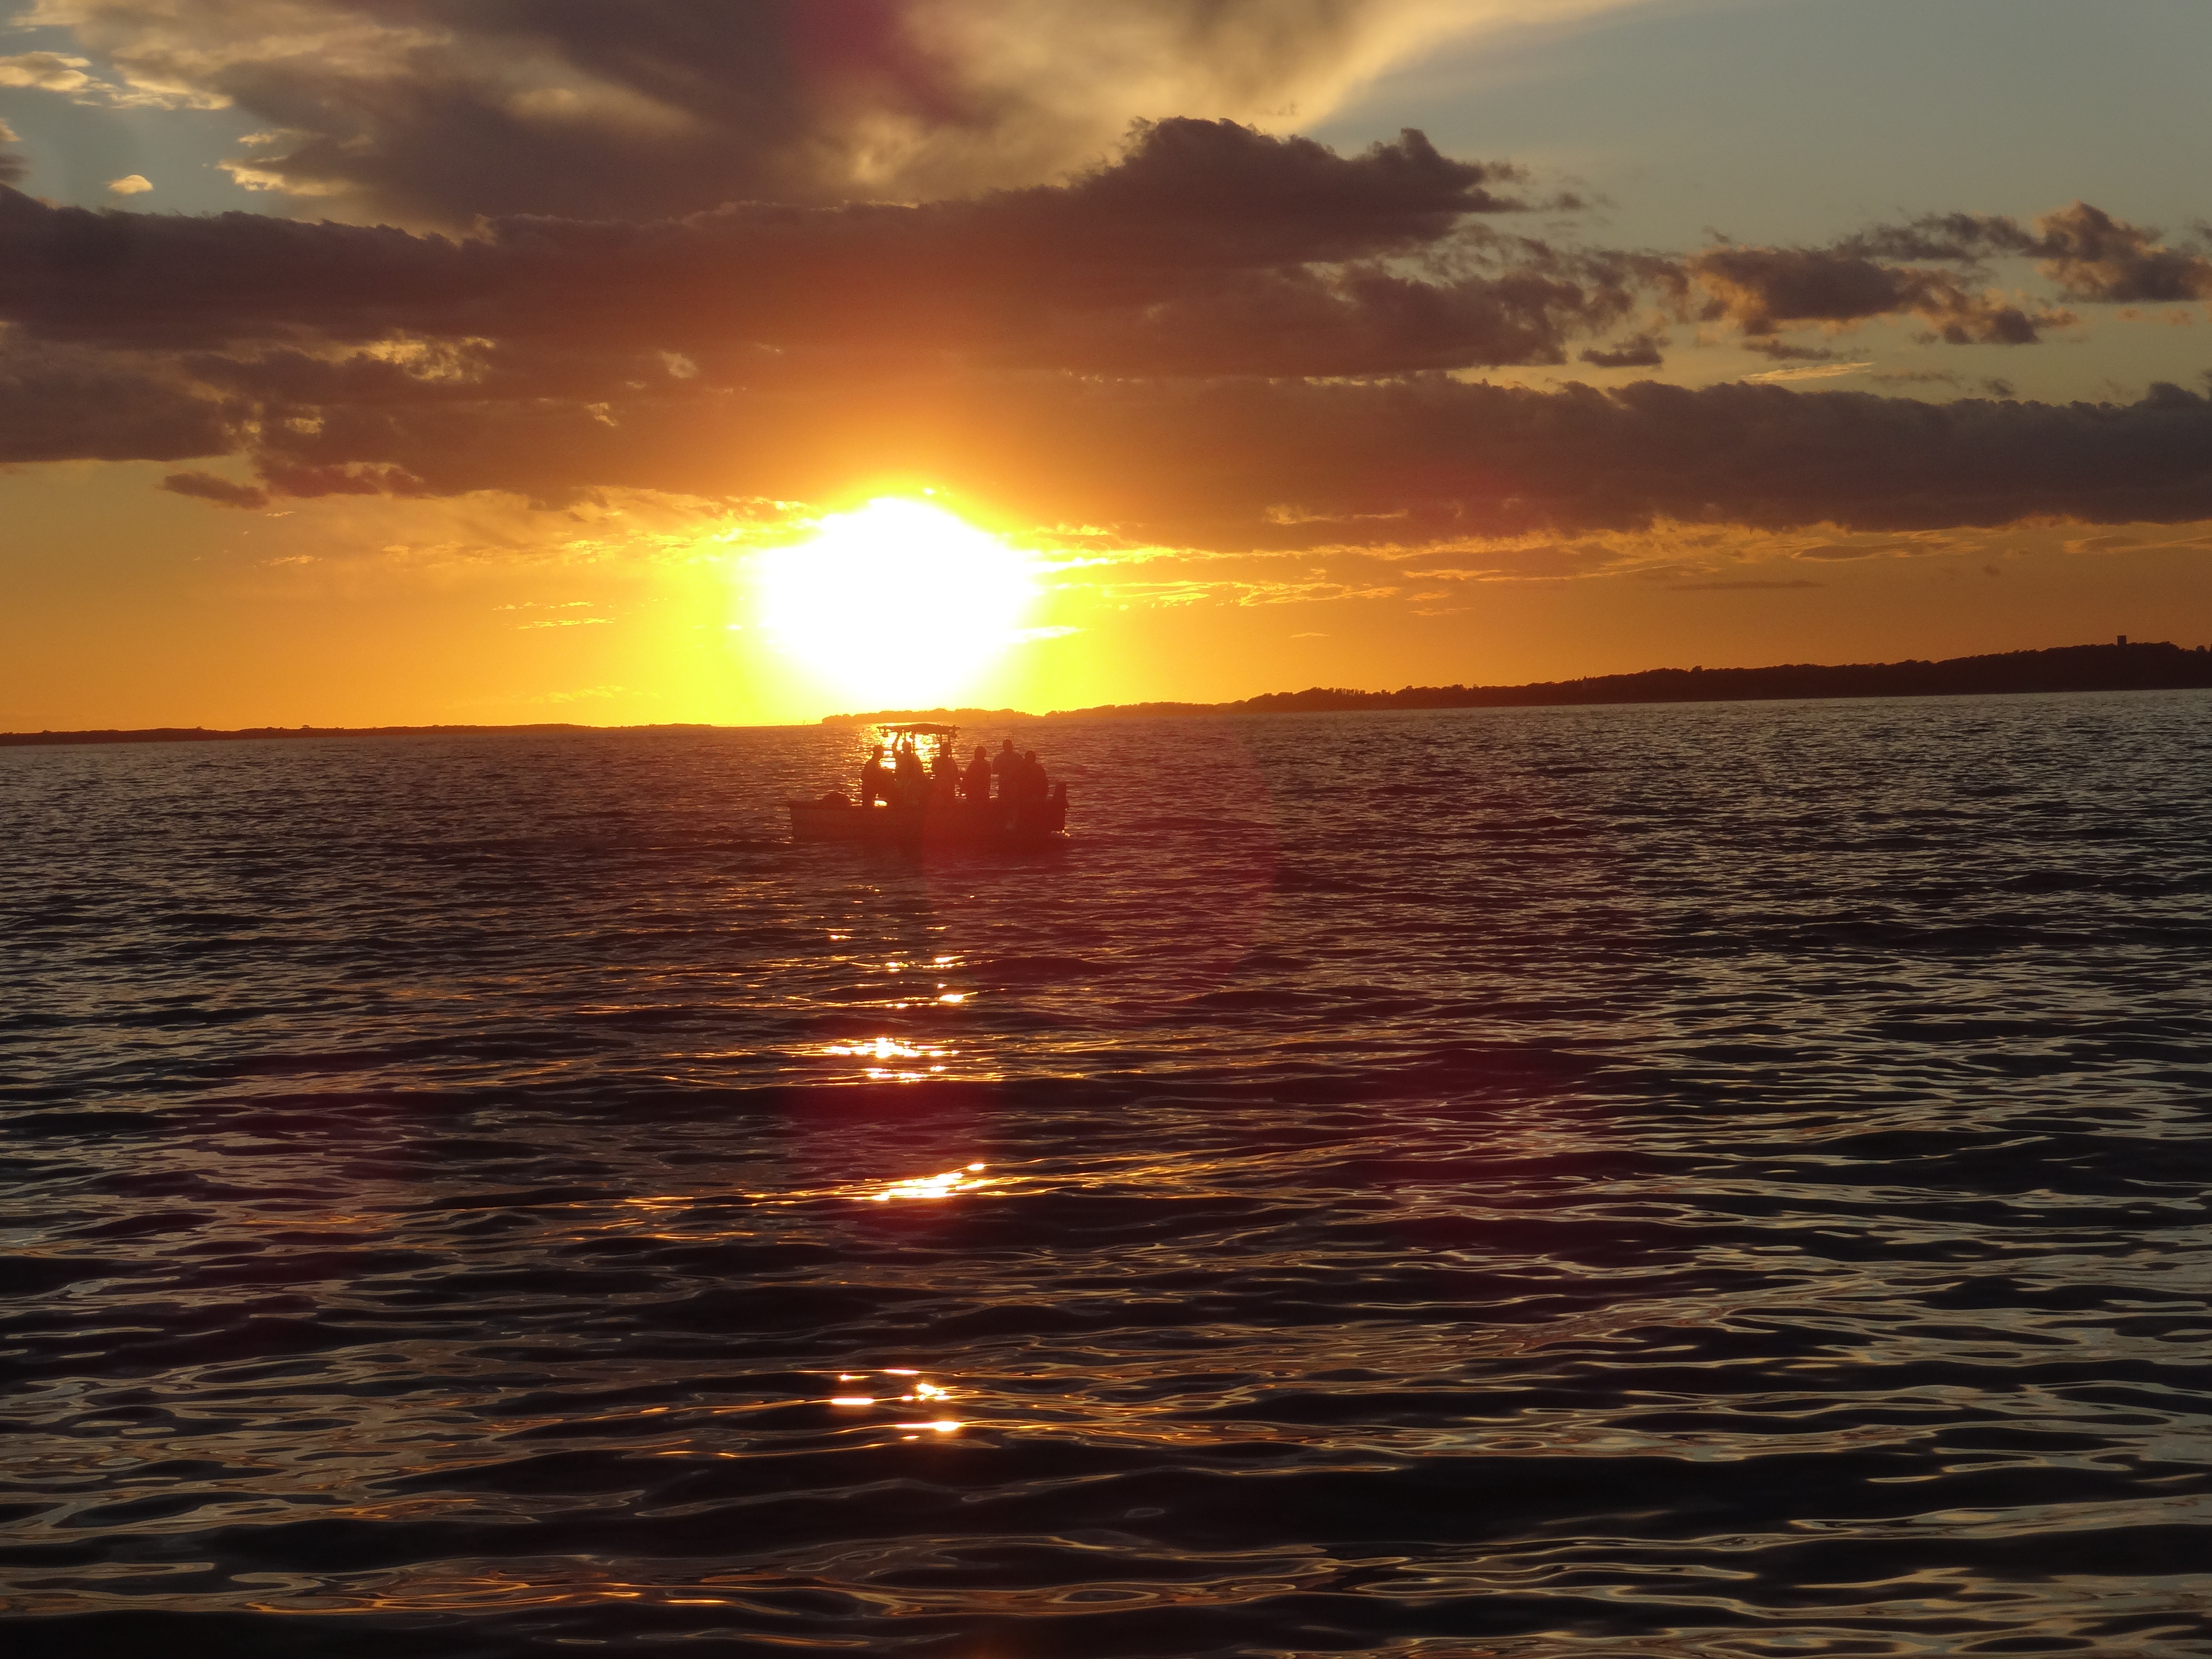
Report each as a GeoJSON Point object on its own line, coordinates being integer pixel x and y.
{"type": "Point", "coordinates": [977, 785]}
{"type": "Point", "coordinates": [910, 777]}
{"type": "Point", "coordinates": [1008, 768]}
{"type": "Point", "coordinates": [944, 776]}
{"type": "Point", "coordinates": [875, 778]}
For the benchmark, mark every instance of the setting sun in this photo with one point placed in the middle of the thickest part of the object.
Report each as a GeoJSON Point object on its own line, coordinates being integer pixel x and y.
{"type": "Point", "coordinates": [899, 603]}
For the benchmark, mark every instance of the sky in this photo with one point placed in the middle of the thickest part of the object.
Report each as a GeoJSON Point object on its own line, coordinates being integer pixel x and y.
{"type": "Point", "coordinates": [747, 360]}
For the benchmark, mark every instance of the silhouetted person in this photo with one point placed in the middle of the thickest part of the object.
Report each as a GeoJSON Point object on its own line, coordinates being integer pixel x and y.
{"type": "Point", "coordinates": [943, 777]}
{"type": "Point", "coordinates": [977, 783]}
{"type": "Point", "coordinates": [910, 777]}
{"type": "Point", "coordinates": [1008, 766]}
{"type": "Point", "coordinates": [1035, 786]}
{"type": "Point", "coordinates": [875, 778]}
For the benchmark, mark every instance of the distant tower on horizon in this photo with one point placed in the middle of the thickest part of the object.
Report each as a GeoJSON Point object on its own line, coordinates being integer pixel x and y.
{"type": "Point", "coordinates": [2123, 639]}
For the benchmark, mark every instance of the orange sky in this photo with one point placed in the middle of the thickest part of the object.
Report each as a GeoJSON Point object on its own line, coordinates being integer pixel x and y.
{"type": "Point", "coordinates": [1251, 413]}
{"type": "Point", "coordinates": [364, 610]}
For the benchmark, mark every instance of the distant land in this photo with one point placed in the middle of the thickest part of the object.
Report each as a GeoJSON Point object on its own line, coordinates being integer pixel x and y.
{"type": "Point", "coordinates": [203, 734]}
{"type": "Point", "coordinates": [2122, 666]}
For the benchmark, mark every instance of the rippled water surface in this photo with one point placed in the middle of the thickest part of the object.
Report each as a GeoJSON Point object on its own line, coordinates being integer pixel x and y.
{"type": "Point", "coordinates": [1725, 1180]}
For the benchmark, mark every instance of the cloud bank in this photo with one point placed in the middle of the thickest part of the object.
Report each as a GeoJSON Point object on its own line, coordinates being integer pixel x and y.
{"type": "Point", "coordinates": [434, 112]}
{"type": "Point", "coordinates": [1207, 248]}
{"type": "Point", "coordinates": [776, 251]}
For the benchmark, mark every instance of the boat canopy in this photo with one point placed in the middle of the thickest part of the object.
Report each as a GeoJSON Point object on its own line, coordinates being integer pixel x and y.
{"type": "Point", "coordinates": [922, 731]}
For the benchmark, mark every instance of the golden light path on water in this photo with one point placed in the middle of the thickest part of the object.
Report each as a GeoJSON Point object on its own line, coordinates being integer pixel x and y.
{"type": "Point", "coordinates": [899, 603]}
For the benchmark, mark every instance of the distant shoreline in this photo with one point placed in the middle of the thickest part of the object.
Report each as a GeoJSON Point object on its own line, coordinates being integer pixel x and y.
{"type": "Point", "coordinates": [2158, 667]}
{"type": "Point", "coordinates": [2118, 667]}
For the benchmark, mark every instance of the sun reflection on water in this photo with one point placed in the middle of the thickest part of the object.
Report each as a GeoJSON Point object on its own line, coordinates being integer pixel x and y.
{"type": "Point", "coordinates": [944, 1185]}
{"type": "Point", "coordinates": [917, 1393]}
{"type": "Point", "coordinates": [896, 1061]}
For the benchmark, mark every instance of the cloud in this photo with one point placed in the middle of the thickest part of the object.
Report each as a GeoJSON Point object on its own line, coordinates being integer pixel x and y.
{"type": "Point", "coordinates": [1935, 268]}
{"type": "Point", "coordinates": [2090, 255]}
{"type": "Point", "coordinates": [1230, 463]}
{"type": "Point", "coordinates": [59, 404]}
{"type": "Point", "coordinates": [434, 112]}
{"type": "Point", "coordinates": [1218, 340]}
{"type": "Point", "coordinates": [209, 487]}
{"type": "Point", "coordinates": [1206, 248]}
{"type": "Point", "coordinates": [2094, 257]}
{"type": "Point", "coordinates": [1763, 288]}
{"type": "Point", "coordinates": [1739, 586]}
{"type": "Point", "coordinates": [130, 184]}
{"type": "Point", "coordinates": [1782, 351]}
{"type": "Point", "coordinates": [1638, 352]}
{"type": "Point", "coordinates": [1809, 372]}
{"type": "Point", "coordinates": [1201, 465]}
{"type": "Point", "coordinates": [48, 71]}
{"type": "Point", "coordinates": [1524, 561]}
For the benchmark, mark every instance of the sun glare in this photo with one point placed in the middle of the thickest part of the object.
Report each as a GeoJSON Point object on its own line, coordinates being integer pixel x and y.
{"type": "Point", "coordinates": [899, 604]}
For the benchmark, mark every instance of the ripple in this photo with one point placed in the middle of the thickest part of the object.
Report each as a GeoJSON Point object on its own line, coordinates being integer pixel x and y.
{"type": "Point", "coordinates": [1729, 1182]}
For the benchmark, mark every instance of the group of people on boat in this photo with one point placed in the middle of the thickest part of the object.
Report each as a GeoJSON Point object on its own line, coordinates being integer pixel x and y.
{"type": "Point", "coordinates": [905, 780]}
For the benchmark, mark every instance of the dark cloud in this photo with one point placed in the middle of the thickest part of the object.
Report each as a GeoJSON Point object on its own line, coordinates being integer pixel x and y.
{"type": "Point", "coordinates": [57, 403]}
{"type": "Point", "coordinates": [1452, 459]}
{"type": "Point", "coordinates": [434, 112]}
{"type": "Point", "coordinates": [1250, 463]}
{"type": "Point", "coordinates": [1221, 340]}
{"type": "Point", "coordinates": [2089, 255]}
{"type": "Point", "coordinates": [1963, 239]}
{"type": "Point", "coordinates": [1782, 352]}
{"type": "Point", "coordinates": [1363, 322]}
{"type": "Point", "coordinates": [2094, 257]}
{"type": "Point", "coordinates": [209, 487]}
{"type": "Point", "coordinates": [1208, 247]}
{"type": "Point", "coordinates": [1216, 192]}
{"type": "Point", "coordinates": [1761, 289]}
{"type": "Point", "coordinates": [1639, 351]}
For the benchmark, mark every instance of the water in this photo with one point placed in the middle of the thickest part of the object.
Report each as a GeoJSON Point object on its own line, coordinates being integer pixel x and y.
{"type": "Point", "coordinates": [1725, 1180]}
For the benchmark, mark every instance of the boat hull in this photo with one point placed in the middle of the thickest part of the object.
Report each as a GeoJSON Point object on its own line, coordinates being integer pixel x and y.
{"type": "Point", "coordinates": [990, 825]}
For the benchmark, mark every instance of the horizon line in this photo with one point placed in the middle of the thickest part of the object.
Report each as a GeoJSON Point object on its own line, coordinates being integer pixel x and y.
{"type": "Point", "coordinates": [1315, 699]}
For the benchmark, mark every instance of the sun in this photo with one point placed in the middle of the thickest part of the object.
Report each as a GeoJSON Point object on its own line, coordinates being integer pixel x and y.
{"type": "Point", "coordinates": [898, 604]}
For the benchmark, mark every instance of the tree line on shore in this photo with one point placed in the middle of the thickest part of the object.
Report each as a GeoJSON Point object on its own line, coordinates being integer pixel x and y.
{"type": "Point", "coordinates": [2121, 666]}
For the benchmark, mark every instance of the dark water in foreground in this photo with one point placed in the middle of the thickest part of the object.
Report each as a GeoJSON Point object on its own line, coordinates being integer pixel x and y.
{"type": "Point", "coordinates": [1726, 1180]}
